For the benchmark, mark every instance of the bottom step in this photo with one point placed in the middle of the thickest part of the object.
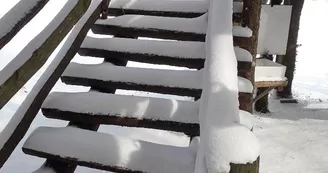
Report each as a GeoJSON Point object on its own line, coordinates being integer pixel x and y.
{"type": "Point", "coordinates": [107, 152]}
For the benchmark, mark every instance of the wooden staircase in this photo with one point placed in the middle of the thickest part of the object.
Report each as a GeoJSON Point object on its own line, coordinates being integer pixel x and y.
{"type": "Point", "coordinates": [183, 26]}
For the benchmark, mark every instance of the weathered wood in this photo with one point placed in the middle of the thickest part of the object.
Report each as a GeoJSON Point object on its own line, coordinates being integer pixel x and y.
{"type": "Point", "coordinates": [34, 107]}
{"type": "Point", "coordinates": [22, 22]}
{"type": "Point", "coordinates": [262, 84]}
{"type": "Point", "coordinates": [245, 168]}
{"type": "Point", "coordinates": [289, 60]}
{"type": "Point", "coordinates": [11, 86]}
{"type": "Point", "coordinates": [155, 59]}
{"type": "Point", "coordinates": [119, 11]}
{"type": "Point", "coordinates": [66, 163]}
{"type": "Point", "coordinates": [108, 85]}
{"type": "Point", "coordinates": [191, 129]}
{"type": "Point", "coordinates": [159, 33]}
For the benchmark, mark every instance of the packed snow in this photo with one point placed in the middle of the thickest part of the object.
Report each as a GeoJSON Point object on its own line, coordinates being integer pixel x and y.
{"type": "Point", "coordinates": [177, 49]}
{"type": "Point", "coordinates": [170, 78]}
{"type": "Point", "coordinates": [199, 6]}
{"type": "Point", "coordinates": [192, 25]}
{"type": "Point", "coordinates": [114, 151]}
{"type": "Point", "coordinates": [223, 139]}
{"type": "Point", "coordinates": [294, 137]}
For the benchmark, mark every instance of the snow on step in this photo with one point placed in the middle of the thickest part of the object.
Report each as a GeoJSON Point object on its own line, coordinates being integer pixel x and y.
{"type": "Point", "coordinates": [141, 76]}
{"type": "Point", "coordinates": [190, 25]}
{"type": "Point", "coordinates": [177, 49]}
{"type": "Point", "coordinates": [100, 104]}
{"type": "Point", "coordinates": [97, 103]}
{"type": "Point", "coordinates": [108, 152]}
{"type": "Point", "coordinates": [191, 6]}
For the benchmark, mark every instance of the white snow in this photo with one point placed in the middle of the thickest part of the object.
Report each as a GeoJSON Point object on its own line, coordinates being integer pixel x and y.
{"type": "Point", "coordinates": [108, 150]}
{"type": "Point", "coordinates": [223, 139]}
{"type": "Point", "coordinates": [12, 17]}
{"type": "Point", "coordinates": [96, 103]}
{"type": "Point", "coordinates": [294, 137]}
{"type": "Point", "coordinates": [170, 78]}
{"type": "Point", "coordinates": [200, 6]}
{"type": "Point", "coordinates": [102, 104]}
{"type": "Point", "coordinates": [20, 113]}
{"type": "Point", "coordinates": [178, 49]}
{"type": "Point", "coordinates": [27, 52]}
{"type": "Point", "coordinates": [109, 72]}
{"type": "Point", "coordinates": [192, 25]}
{"type": "Point", "coordinates": [267, 70]}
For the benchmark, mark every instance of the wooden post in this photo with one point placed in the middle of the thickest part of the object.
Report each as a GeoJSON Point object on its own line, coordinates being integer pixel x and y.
{"type": "Point", "coordinates": [251, 19]}
{"type": "Point", "coordinates": [104, 9]}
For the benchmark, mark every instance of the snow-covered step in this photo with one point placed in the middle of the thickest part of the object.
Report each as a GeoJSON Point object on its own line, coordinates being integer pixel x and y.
{"type": "Point", "coordinates": [176, 8]}
{"type": "Point", "coordinates": [178, 53]}
{"type": "Point", "coordinates": [133, 111]}
{"type": "Point", "coordinates": [106, 76]}
{"type": "Point", "coordinates": [108, 152]}
{"type": "Point", "coordinates": [187, 29]}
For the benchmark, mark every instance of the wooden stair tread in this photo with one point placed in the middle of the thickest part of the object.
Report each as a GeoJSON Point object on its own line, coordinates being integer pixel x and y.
{"type": "Point", "coordinates": [108, 152]}
{"type": "Point", "coordinates": [132, 111]}
{"type": "Point", "coordinates": [184, 82]}
{"type": "Point", "coordinates": [186, 29]}
{"type": "Point", "coordinates": [176, 8]}
{"type": "Point", "coordinates": [180, 53]}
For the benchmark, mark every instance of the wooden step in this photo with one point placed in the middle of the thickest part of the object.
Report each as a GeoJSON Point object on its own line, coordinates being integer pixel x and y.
{"type": "Point", "coordinates": [168, 8]}
{"type": "Point", "coordinates": [177, 53]}
{"type": "Point", "coordinates": [108, 152]}
{"type": "Point", "coordinates": [161, 27]}
{"type": "Point", "coordinates": [107, 76]}
{"type": "Point", "coordinates": [132, 111]}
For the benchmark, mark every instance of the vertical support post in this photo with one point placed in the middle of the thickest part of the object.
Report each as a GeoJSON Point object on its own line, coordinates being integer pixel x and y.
{"type": "Point", "coordinates": [251, 19]}
{"type": "Point", "coordinates": [104, 9]}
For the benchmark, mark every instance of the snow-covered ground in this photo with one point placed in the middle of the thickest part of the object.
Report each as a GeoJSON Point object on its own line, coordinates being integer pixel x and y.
{"type": "Point", "coordinates": [294, 137]}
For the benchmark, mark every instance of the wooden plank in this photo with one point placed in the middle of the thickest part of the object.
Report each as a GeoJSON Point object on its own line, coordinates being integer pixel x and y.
{"type": "Point", "coordinates": [158, 33]}
{"type": "Point", "coordinates": [14, 76]}
{"type": "Point", "coordinates": [262, 84]}
{"type": "Point", "coordinates": [18, 25]}
{"type": "Point", "coordinates": [21, 121]}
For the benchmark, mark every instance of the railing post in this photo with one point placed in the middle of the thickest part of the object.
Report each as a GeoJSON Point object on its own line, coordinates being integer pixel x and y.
{"type": "Point", "coordinates": [251, 19]}
{"type": "Point", "coordinates": [104, 9]}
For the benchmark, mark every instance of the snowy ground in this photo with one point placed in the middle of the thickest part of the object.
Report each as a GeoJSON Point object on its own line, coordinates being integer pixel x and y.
{"type": "Point", "coordinates": [294, 137]}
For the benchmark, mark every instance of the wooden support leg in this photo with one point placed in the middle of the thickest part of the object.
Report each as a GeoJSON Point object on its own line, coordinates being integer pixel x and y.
{"type": "Point", "coordinates": [261, 100]}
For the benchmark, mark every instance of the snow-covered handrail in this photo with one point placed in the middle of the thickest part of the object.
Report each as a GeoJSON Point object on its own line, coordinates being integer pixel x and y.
{"type": "Point", "coordinates": [20, 122]}
{"type": "Point", "coordinates": [17, 17]}
{"type": "Point", "coordinates": [224, 140]}
{"type": "Point", "coordinates": [15, 74]}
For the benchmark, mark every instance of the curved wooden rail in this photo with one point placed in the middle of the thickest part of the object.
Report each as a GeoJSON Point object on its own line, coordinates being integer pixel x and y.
{"type": "Point", "coordinates": [19, 124]}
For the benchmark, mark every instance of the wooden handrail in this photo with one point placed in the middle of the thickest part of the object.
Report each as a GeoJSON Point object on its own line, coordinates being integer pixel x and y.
{"type": "Point", "coordinates": [21, 121]}
{"type": "Point", "coordinates": [23, 12]}
{"type": "Point", "coordinates": [37, 52]}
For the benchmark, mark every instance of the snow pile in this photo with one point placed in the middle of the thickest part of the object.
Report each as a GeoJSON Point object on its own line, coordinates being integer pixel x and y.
{"type": "Point", "coordinates": [223, 139]}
